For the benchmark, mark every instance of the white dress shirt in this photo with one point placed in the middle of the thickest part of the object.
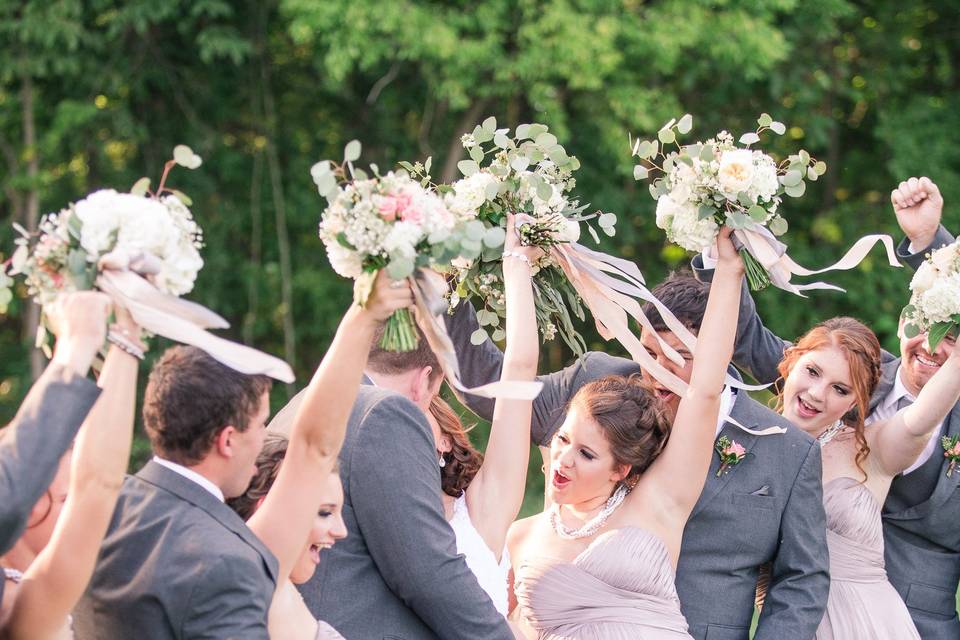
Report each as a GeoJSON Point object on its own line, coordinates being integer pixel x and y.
{"type": "Point", "coordinates": [727, 398]}
{"type": "Point", "coordinates": [192, 476]}
{"type": "Point", "coordinates": [888, 408]}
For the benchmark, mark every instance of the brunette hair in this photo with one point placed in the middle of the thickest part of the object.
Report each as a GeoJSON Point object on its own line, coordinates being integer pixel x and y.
{"type": "Point", "coordinates": [191, 397]}
{"type": "Point", "coordinates": [386, 362]}
{"type": "Point", "coordinates": [685, 297]}
{"type": "Point", "coordinates": [268, 467]}
{"type": "Point", "coordinates": [631, 417]}
{"type": "Point", "coordinates": [463, 461]}
{"type": "Point", "coordinates": [862, 349]}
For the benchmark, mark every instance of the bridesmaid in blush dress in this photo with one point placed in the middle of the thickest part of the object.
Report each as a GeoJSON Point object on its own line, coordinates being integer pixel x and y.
{"type": "Point", "coordinates": [599, 564]}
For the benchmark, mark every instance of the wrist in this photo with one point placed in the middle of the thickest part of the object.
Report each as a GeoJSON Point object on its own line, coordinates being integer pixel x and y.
{"type": "Point", "coordinates": [919, 243]}
{"type": "Point", "coordinates": [73, 355]}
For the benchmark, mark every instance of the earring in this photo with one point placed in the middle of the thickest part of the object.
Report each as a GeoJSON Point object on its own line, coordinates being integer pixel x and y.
{"type": "Point", "coordinates": [442, 461]}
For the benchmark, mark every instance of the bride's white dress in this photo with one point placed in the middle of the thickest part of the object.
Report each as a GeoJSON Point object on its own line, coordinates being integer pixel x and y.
{"type": "Point", "coordinates": [491, 575]}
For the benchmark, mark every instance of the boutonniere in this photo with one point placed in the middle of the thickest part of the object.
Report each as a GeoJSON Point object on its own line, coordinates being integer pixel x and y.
{"type": "Point", "coordinates": [731, 453]}
{"type": "Point", "coordinates": [951, 451]}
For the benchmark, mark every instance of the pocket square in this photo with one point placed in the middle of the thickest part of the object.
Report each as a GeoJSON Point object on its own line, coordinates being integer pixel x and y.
{"type": "Point", "coordinates": [762, 491]}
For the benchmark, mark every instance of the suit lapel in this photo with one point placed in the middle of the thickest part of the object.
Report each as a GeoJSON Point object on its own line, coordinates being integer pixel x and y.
{"type": "Point", "coordinates": [160, 476]}
{"type": "Point", "coordinates": [715, 484]}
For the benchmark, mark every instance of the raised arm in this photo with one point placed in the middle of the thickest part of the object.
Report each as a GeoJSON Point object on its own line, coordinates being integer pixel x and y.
{"type": "Point", "coordinates": [898, 441]}
{"type": "Point", "coordinates": [496, 492]}
{"type": "Point", "coordinates": [48, 419]}
{"type": "Point", "coordinates": [690, 447]}
{"type": "Point", "coordinates": [58, 577]}
{"type": "Point", "coordinates": [918, 206]}
{"type": "Point", "coordinates": [283, 521]}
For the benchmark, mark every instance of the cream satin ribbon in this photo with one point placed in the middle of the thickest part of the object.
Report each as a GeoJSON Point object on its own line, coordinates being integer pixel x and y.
{"type": "Point", "coordinates": [428, 288]}
{"type": "Point", "coordinates": [122, 278]}
{"type": "Point", "coordinates": [772, 255]}
{"type": "Point", "coordinates": [610, 299]}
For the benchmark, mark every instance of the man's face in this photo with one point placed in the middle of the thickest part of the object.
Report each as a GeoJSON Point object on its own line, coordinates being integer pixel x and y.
{"type": "Point", "coordinates": [649, 341]}
{"type": "Point", "coordinates": [917, 364]}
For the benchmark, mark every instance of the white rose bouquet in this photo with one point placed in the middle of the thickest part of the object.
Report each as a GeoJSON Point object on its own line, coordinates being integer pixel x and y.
{"type": "Point", "coordinates": [155, 230]}
{"type": "Point", "coordinates": [390, 222]}
{"type": "Point", "coordinates": [935, 302]}
{"type": "Point", "coordinates": [530, 174]}
{"type": "Point", "coordinates": [705, 185]}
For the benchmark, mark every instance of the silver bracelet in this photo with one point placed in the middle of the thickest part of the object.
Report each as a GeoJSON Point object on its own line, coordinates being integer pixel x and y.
{"type": "Point", "coordinates": [519, 256]}
{"type": "Point", "coordinates": [124, 344]}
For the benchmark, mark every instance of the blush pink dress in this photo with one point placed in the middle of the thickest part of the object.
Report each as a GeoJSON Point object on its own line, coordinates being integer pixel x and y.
{"type": "Point", "coordinates": [862, 602]}
{"type": "Point", "coordinates": [621, 587]}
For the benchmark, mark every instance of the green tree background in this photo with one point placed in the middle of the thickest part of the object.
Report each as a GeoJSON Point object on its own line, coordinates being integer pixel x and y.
{"type": "Point", "coordinates": [95, 94]}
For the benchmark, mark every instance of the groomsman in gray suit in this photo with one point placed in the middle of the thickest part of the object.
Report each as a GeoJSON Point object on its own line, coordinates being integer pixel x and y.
{"type": "Point", "coordinates": [766, 509]}
{"type": "Point", "coordinates": [921, 516]}
{"type": "Point", "coordinates": [397, 574]}
{"type": "Point", "coordinates": [176, 561]}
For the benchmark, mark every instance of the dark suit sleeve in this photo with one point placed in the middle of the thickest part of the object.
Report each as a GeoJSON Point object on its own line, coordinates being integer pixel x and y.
{"type": "Point", "coordinates": [394, 485]}
{"type": "Point", "coordinates": [32, 445]}
{"type": "Point", "coordinates": [941, 238]}
{"type": "Point", "coordinates": [220, 604]}
{"type": "Point", "coordinates": [481, 364]}
{"type": "Point", "coordinates": [800, 579]}
{"type": "Point", "coordinates": [758, 350]}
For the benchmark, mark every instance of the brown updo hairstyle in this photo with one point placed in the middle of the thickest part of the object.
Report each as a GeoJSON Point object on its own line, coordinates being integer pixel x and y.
{"type": "Point", "coordinates": [631, 417]}
{"type": "Point", "coordinates": [463, 460]}
{"type": "Point", "coordinates": [268, 467]}
{"type": "Point", "coordinates": [862, 349]}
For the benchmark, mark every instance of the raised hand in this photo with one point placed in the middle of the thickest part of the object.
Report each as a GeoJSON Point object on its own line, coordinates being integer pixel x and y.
{"type": "Point", "coordinates": [727, 254]}
{"type": "Point", "coordinates": [919, 206]}
{"type": "Point", "coordinates": [512, 244]}
{"type": "Point", "coordinates": [386, 297]}
{"type": "Point", "coordinates": [80, 323]}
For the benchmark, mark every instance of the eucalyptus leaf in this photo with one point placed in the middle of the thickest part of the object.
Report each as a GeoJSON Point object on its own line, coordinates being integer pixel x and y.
{"type": "Point", "coordinates": [593, 234]}
{"type": "Point", "coordinates": [520, 163]}
{"type": "Point", "coordinates": [705, 211]}
{"type": "Point", "coordinates": [475, 230]}
{"type": "Point", "coordinates": [795, 191]}
{"type": "Point", "coordinates": [478, 337]}
{"type": "Point", "coordinates": [791, 178]}
{"type": "Point", "coordinates": [778, 128]}
{"type": "Point", "coordinates": [708, 153]}
{"type": "Point", "coordinates": [140, 187]}
{"type": "Point", "coordinates": [812, 175]}
{"type": "Point", "coordinates": [777, 225]}
{"type": "Point", "coordinates": [523, 131]}
{"type": "Point", "coordinates": [498, 335]}
{"type": "Point", "coordinates": [546, 140]}
{"type": "Point", "coordinates": [468, 167]}
{"type": "Point", "coordinates": [749, 138]}
{"type": "Point", "coordinates": [494, 237]}
{"type": "Point", "coordinates": [358, 174]}
{"type": "Point", "coordinates": [607, 220]}
{"type": "Point", "coordinates": [820, 167]}
{"type": "Point", "coordinates": [758, 213]}
{"type": "Point", "coordinates": [536, 129]}
{"type": "Point", "coordinates": [640, 172]}
{"type": "Point", "coordinates": [910, 330]}
{"type": "Point", "coordinates": [666, 136]}
{"type": "Point", "coordinates": [502, 141]}
{"type": "Point", "coordinates": [685, 124]}
{"type": "Point", "coordinates": [804, 157]}
{"type": "Point", "coordinates": [325, 183]}
{"type": "Point", "coordinates": [476, 154]}
{"type": "Point", "coordinates": [182, 197]}
{"type": "Point", "coordinates": [764, 120]}
{"type": "Point", "coordinates": [544, 191]}
{"type": "Point", "coordinates": [490, 124]}
{"type": "Point", "coordinates": [351, 152]}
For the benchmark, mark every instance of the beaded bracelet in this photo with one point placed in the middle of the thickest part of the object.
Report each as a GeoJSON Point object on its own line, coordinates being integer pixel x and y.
{"type": "Point", "coordinates": [124, 344]}
{"type": "Point", "coordinates": [519, 256]}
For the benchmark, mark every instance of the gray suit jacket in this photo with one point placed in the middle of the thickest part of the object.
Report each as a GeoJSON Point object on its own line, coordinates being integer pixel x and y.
{"type": "Point", "coordinates": [33, 443]}
{"type": "Point", "coordinates": [768, 508]}
{"type": "Point", "coordinates": [397, 574]}
{"type": "Point", "coordinates": [922, 510]}
{"type": "Point", "coordinates": [176, 563]}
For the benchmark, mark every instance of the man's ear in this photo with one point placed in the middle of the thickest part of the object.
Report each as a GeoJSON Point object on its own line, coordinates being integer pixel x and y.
{"type": "Point", "coordinates": [422, 387]}
{"type": "Point", "coordinates": [223, 442]}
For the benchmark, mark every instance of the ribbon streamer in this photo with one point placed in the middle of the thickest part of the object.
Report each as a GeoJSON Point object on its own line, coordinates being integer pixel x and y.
{"type": "Point", "coordinates": [428, 288]}
{"type": "Point", "coordinates": [772, 256]}
{"type": "Point", "coordinates": [180, 320]}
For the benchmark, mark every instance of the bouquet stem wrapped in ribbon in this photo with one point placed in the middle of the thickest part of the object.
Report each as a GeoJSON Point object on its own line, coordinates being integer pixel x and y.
{"type": "Point", "coordinates": [706, 185]}
{"type": "Point", "coordinates": [144, 253]}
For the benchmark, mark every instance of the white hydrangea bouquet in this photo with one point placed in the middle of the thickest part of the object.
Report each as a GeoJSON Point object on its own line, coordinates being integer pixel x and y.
{"type": "Point", "coordinates": [155, 229]}
{"type": "Point", "coordinates": [528, 173]}
{"type": "Point", "coordinates": [391, 222]}
{"type": "Point", "coordinates": [705, 185]}
{"type": "Point", "coordinates": [935, 302]}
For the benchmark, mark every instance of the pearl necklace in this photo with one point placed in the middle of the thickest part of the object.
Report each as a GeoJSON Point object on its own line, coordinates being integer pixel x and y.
{"type": "Point", "coordinates": [831, 432]}
{"type": "Point", "coordinates": [594, 524]}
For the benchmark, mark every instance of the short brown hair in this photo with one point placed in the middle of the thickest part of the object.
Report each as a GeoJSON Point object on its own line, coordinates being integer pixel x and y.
{"type": "Point", "coordinates": [191, 397]}
{"type": "Point", "coordinates": [463, 461]}
{"type": "Point", "coordinates": [396, 362]}
{"type": "Point", "coordinates": [630, 416]}
{"type": "Point", "coordinates": [685, 297]}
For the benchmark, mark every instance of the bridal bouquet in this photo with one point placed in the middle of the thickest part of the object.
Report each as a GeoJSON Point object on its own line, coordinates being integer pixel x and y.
{"type": "Point", "coordinates": [68, 250]}
{"type": "Point", "coordinates": [390, 222]}
{"type": "Point", "coordinates": [935, 301]}
{"type": "Point", "coordinates": [705, 185]}
{"type": "Point", "coordinates": [530, 174]}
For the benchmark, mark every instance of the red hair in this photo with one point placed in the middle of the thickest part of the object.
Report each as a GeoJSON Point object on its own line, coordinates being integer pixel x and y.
{"type": "Point", "coordinates": [862, 350]}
